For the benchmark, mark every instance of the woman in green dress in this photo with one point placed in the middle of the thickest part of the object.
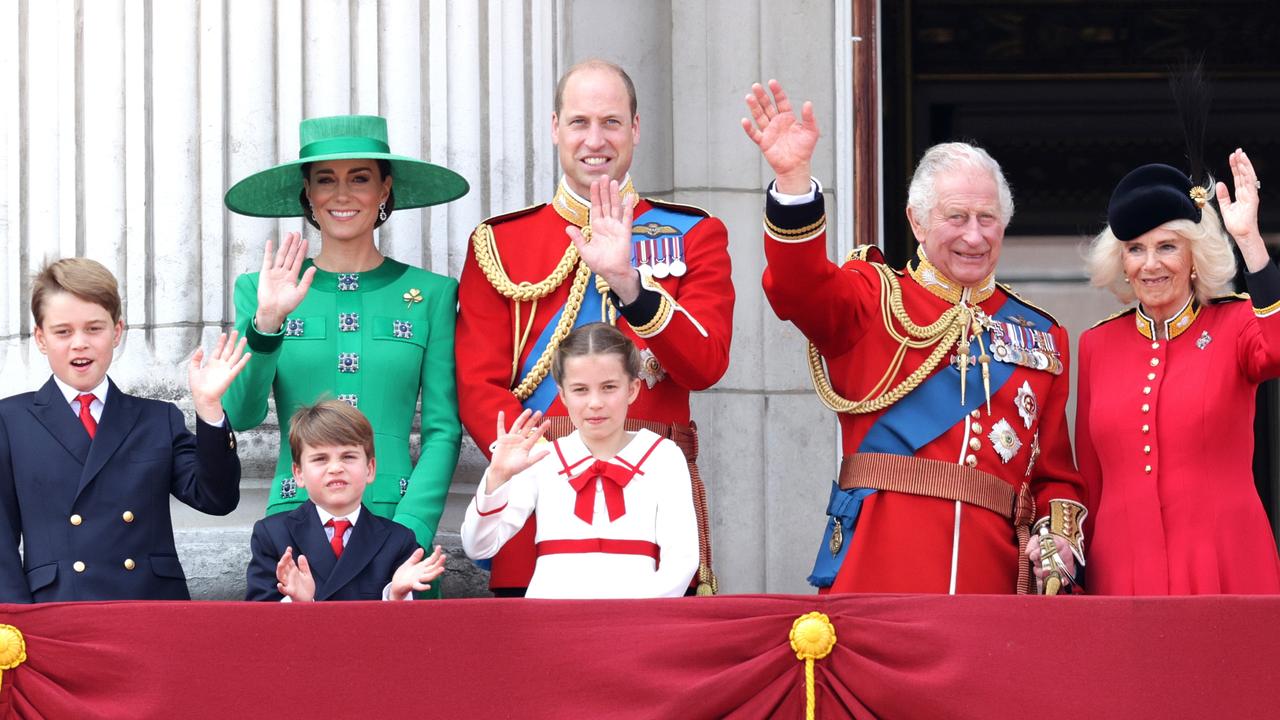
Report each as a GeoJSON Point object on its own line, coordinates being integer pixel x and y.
{"type": "Point", "coordinates": [351, 323]}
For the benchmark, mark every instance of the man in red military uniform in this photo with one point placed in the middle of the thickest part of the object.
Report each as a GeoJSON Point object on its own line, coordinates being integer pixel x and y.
{"type": "Point", "coordinates": [659, 271]}
{"type": "Point", "coordinates": [951, 391]}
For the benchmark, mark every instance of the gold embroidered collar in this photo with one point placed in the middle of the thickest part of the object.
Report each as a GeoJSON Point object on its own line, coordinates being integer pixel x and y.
{"type": "Point", "coordinates": [1174, 326]}
{"type": "Point", "coordinates": [576, 209]}
{"type": "Point", "coordinates": [935, 282]}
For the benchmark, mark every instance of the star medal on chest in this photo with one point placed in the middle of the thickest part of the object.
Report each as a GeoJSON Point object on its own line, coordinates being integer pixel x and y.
{"type": "Point", "coordinates": [650, 369]}
{"type": "Point", "coordinates": [1004, 440]}
{"type": "Point", "coordinates": [1028, 407]}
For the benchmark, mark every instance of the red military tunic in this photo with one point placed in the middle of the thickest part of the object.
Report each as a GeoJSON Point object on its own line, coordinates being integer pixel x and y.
{"type": "Point", "coordinates": [685, 343]}
{"type": "Point", "coordinates": [1164, 436]}
{"type": "Point", "coordinates": [908, 542]}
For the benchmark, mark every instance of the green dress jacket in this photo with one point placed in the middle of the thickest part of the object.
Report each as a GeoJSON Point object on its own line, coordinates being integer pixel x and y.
{"type": "Point", "coordinates": [373, 339]}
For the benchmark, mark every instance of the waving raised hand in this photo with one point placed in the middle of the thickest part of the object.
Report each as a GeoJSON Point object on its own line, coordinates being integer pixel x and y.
{"type": "Point", "coordinates": [209, 380]}
{"type": "Point", "coordinates": [1240, 216]}
{"type": "Point", "coordinates": [608, 249]}
{"type": "Point", "coordinates": [786, 142]}
{"type": "Point", "coordinates": [513, 451]}
{"type": "Point", "coordinates": [280, 290]}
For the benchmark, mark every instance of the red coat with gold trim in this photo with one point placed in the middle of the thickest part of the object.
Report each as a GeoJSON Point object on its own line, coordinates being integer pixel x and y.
{"type": "Point", "coordinates": [529, 244]}
{"type": "Point", "coordinates": [1164, 436]}
{"type": "Point", "coordinates": [912, 543]}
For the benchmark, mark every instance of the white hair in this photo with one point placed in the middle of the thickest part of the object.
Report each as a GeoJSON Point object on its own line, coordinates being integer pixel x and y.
{"type": "Point", "coordinates": [1211, 257]}
{"type": "Point", "coordinates": [922, 195]}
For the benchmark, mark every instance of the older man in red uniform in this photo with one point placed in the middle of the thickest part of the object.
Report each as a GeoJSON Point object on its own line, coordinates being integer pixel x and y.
{"type": "Point", "coordinates": [659, 271]}
{"type": "Point", "coordinates": [951, 391]}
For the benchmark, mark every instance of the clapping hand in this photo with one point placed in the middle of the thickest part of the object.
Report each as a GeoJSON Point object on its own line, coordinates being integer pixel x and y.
{"type": "Point", "coordinates": [513, 450]}
{"type": "Point", "coordinates": [1241, 216]}
{"type": "Point", "coordinates": [786, 143]}
{"type": "Point", "coordinates": [280, 290]}
{"type": "Point", "coordinates": [210, 380]}
{"type": "Point", "coordinates": [293, 579]}
{"type": "Point", "coordinates": [416, 573]}
{"type": "Point", "coordinates": [608, 249]}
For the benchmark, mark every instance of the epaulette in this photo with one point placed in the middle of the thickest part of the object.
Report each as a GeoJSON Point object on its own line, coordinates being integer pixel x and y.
{"type": "Point", "coordinates": [1113, 316]}
{"type": "Point", "coordinates": [1233, 297]}
{"type": "Point", "coordinates": [1029, 304]}
{"type": "Point", "coordinates": [691, 209]}
{"type": "Point", "coordinates": [513, 214]}
{"type": "Point", "coordinates": [865, 253]}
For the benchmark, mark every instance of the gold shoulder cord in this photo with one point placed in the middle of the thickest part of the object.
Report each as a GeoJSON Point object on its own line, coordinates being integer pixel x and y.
{"type": "Point", "coordinates": [486, 251]}
{"type": "Point", "coordinates": [943, 334]}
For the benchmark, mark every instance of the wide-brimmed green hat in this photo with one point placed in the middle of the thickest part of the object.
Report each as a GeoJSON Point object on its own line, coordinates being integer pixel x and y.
{"type": "Point", "coordinates": [274, 192]}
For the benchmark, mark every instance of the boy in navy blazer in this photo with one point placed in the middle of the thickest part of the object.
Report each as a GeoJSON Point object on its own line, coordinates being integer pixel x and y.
{"type": "Point", "coordinates": [344, 552]}
{"type": "Point", "coordinates": [86, 470]}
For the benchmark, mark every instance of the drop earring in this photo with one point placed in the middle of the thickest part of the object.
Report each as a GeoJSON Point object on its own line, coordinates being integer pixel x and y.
{"type": "Point", "coordinates": [382, 211]}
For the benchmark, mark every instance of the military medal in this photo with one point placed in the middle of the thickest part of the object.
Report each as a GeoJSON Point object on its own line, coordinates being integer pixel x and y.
{"type": "Point", "coordinates": [678, 268]}
{"type": "Point", "coordinates": [1004, 440]}
{"type": "Point", "coordinates": [661, 268]}
{"type": "Point", "coordinates": [1028, 407]}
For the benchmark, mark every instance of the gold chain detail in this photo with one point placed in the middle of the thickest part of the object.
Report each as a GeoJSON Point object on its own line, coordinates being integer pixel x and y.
{"type": "Point", "coordinates": [487, 258]}
{"type": "Point", "coordinates": [942, 334]}
{"type": "Point", "coordinates": [567, 318]}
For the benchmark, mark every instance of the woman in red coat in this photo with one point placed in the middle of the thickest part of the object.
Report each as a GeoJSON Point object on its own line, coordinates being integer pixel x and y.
{"type": "Point", "coordinates": [1164, 423]}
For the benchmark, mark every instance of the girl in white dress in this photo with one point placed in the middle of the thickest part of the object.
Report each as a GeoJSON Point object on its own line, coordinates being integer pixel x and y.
{"type": "Point", "coordinates": [615, 508]}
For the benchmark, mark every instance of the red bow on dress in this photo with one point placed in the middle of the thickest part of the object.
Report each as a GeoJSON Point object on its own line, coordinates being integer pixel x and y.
{"type": "Point", "coordinates": [614, 477]}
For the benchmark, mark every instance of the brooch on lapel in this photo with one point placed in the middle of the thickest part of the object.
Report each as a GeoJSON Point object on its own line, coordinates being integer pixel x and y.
{"type": "Point", "coordinates": [411, 297]}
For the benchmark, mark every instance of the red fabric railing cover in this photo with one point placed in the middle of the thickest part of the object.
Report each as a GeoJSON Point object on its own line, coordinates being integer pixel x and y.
{"type": "Point", "coordinates": [897, 656]}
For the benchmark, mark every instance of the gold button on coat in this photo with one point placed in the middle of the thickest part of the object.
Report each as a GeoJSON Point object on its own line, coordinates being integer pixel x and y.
{"type": "Point", "coordinates": [1146, 429]}
{"type": "Point", "coordinates": [976, 427]}
{"type": "Point", "coordinates": [1146, 449]}
{"type": "Point", "coordinates": [1155, 362]}
{"type": "Point", "coordinates": [129, 564]}
{"type": "Point", "coordinates": [1148, 469]}
{"type": "Point", "coordinates": [78, 566]}
{"type": "Point", "coordinates": [127, 516]}
{"type": "Point", "coordinates": [975, 444]}
{"type": "Point", "coordinates": [971, 461]}
{"type": "Point", "coordinates": [76, 519]}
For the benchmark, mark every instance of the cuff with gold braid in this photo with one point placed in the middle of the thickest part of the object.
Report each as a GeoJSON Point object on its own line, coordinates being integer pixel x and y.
{"type": "Point", "coordinates": [794, 223]}
{"type": "Point", "coordinates": [1066, 520]}
{"type": "Point", "coordinates": [1264, 290]}
{"type": "Point", "coordinates": [647, 313]}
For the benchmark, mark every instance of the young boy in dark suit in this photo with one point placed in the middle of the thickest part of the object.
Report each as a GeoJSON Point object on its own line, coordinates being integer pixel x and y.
{"type": "Point", "coordinates": [344, 551]}
{"type": "Point", "coordinates": [86, 470]}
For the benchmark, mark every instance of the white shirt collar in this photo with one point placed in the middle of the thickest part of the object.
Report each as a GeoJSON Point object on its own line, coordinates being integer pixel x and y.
{"type": "Point", "coordinates": [99, 393]}
{"type": "Point", "coordinates": [326, 516]}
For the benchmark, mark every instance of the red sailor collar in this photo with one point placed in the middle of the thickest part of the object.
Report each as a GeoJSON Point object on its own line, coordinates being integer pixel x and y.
{"type": "Point", "coordinates": [576, 209]}
{"type": "Point", "coordinates": [582, 470]}
{"type": "Point", "coordinates": [931, 279]}
{"type": "Point", "coordinates": [1174, 326]}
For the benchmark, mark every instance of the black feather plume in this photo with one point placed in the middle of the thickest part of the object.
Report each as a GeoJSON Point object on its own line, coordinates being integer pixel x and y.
{"type": "Point", "coordinates": [1193, 96]}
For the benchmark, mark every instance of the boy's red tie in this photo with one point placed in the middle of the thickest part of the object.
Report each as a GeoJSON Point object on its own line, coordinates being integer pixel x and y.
{"type": "Point", "coordinates": [339, 529]}
{"type": "Point", "coordinates": [86, 417]}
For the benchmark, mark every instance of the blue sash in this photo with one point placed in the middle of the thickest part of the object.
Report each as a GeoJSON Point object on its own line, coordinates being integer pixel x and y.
{"type": "Point", "coordinates": [916, 420]}
{"type": "Point", "coordinates": [545, 394]}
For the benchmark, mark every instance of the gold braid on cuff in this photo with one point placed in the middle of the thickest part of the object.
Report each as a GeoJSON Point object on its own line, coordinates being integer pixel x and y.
{"type": "Point", "coordinates": [812, 228]}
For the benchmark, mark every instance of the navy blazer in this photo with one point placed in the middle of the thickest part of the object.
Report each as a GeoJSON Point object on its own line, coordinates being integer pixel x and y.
{"type": "Point", "coordinates": [377, 547]}
{"type": "Point", "coordinates": [93, 516]}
